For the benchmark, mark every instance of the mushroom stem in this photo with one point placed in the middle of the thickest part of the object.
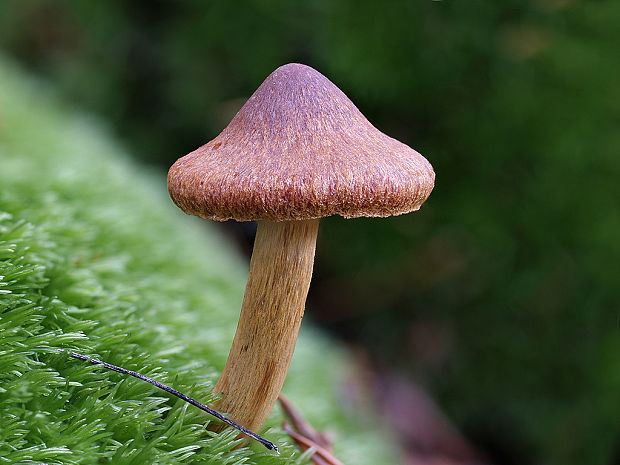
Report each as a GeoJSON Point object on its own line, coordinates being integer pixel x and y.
{"type": "Point", "coordinates": [273, 306]}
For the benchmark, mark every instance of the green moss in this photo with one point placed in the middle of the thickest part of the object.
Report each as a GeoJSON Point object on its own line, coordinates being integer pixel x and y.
{"type": "Point", "coordinates": [94, 257]}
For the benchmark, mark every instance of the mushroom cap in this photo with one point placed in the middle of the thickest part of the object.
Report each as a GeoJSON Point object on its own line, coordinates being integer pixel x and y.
{"type": "Point", "coordinates": [300, 149]}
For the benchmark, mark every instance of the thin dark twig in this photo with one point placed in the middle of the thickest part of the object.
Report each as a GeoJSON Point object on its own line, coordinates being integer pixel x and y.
{"type": "Point", "coordinates": [268, 444]}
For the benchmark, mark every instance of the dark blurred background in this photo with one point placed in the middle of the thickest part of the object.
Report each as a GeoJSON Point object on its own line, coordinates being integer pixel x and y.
{"type": "Point", "coordinates": [498, 300]}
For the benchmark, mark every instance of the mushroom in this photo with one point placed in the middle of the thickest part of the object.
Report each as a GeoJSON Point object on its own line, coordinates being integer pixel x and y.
{"type": "Point", "coordinates": [297, 151]}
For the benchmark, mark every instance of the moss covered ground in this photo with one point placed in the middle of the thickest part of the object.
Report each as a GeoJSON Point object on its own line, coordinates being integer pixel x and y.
{"type": "Point", "coordinates": [94, 257]}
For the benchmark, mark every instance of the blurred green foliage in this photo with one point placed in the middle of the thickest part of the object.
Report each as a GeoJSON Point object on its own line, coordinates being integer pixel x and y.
{"type": "Point", "coordinates": [503, 288]}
